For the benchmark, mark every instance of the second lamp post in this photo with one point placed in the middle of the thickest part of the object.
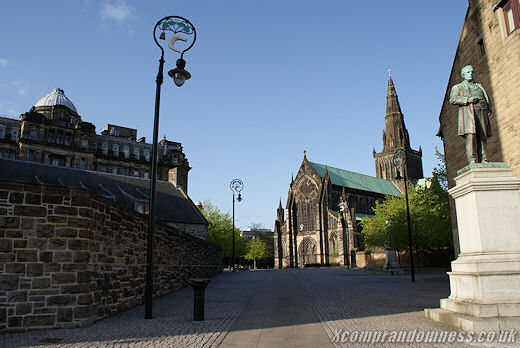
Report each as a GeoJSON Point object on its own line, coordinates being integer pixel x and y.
{"type": "Point", "coordinates": [236, 186]}
{"type": "Point", "coordinates": [400, 162]}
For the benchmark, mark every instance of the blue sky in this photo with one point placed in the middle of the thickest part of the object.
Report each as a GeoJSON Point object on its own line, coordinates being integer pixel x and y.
{"type": "Point", "coordinates": [270, 79]}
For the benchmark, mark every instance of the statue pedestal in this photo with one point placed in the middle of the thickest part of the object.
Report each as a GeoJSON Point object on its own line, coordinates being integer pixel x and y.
{"type": "Point", "coordinates": [391, 265]}
{"type": "Point", "coordinates": [485, 278]}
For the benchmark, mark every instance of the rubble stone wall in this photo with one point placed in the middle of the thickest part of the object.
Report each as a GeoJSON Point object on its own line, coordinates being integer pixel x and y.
{"type": "Point", "coordinates": [69, 257]}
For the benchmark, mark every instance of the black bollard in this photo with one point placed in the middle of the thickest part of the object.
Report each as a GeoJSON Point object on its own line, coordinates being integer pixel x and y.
{"type": "Point", "coordinates": [199, 286]}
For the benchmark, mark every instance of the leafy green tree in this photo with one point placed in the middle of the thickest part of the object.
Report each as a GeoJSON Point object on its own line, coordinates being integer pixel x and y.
{"type": "Point", "coordinates": [429, 217]}
{"type": "Point", "coordinates": [220, 232]}
{"type": "Point", "coordinates": [257, 250]}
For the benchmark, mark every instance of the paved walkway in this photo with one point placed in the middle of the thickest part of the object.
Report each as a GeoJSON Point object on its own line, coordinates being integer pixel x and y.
{"type": "Point", "coordinates": [278, 316]}
{"type": "Point", "coordinates": [288, 308]}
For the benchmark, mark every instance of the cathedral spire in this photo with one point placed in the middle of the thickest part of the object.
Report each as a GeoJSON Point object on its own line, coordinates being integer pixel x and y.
{"type": "Point", "coordinates": [392, 102]}
{"type": "Point", "coordinates": [395, 137]}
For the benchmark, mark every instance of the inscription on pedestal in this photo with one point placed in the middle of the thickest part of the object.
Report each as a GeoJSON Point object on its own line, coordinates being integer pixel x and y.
{"type": "Point", "coordinates": [506, 211]}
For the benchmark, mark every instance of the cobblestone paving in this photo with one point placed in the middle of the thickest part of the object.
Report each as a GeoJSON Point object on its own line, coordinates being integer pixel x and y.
{"type": "Point", "coordinates": [349, 300]}
{"type": "Point", "coordinates": [172, 325]}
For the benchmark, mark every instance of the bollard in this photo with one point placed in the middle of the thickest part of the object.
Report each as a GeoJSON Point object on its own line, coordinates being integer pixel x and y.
{"type": "Point", "coordinates": [199, 286]}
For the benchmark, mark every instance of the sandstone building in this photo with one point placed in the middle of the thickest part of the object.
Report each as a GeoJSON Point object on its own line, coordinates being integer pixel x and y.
{"type": "Point", "coordinates": [490, 42]}
{"type": "Point", "coordinates": [53, 132]}
{"type": "Point", "coordinates": [324, 203]}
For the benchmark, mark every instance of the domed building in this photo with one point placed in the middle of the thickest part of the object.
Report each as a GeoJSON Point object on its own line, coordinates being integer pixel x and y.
{"type": "Point", "coordinates": [53, 132]}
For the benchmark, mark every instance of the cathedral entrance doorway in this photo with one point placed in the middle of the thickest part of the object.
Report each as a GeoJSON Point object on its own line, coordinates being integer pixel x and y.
{"type": "Point", "coordinates": [307, 252]}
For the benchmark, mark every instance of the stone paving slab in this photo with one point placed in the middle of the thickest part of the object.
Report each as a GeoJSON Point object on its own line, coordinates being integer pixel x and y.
{"type": "Point", "coordinates": [357, 301]}
{"type": "Point", "coordinates": [278, 316]}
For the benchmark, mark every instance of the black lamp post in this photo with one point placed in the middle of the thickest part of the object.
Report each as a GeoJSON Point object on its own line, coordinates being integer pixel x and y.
{"type": "Point", "coordinates": [400, 162]}
{"type": "Point", "coordinates": [346, 236]}
{"type": "Point", "coordinates": [236, 186]}
{"type": "Point", "coordinates": [178, 29]}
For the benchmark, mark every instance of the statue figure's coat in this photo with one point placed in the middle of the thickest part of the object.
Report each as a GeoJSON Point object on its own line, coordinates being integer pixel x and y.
{"type": "Point", "coordinates": [471, 115]}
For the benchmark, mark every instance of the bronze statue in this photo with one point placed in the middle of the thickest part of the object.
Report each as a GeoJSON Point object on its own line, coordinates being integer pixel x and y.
{"type": "Point", "coordinates": [473, 119]}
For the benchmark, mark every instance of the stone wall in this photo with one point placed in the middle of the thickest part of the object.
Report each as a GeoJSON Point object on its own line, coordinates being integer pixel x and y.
{"type": "Point", "coordinates": [69, 257]}
{"type": "Point", "coordinates": [196, 230]}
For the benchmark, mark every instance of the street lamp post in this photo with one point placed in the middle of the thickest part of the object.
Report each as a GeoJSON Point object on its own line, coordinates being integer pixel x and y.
{"type": "Point", "coordinates": [346, 236]}
{"type": "Point", "coordinates": [236, 186]}
{"type": "Point", "coordinates": [400, 162]}
{"type": "Point", "coordinates": [178, 29]}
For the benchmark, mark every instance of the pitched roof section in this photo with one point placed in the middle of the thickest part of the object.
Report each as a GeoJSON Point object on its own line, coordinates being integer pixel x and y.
{"type": "Point", "coordinates": [172, 205]}
{"type": "Point", "coordinates": [341, 177]}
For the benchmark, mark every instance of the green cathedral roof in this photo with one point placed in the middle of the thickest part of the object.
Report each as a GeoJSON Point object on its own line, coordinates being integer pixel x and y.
{"type": "Point", "coordinates": [341, 177]}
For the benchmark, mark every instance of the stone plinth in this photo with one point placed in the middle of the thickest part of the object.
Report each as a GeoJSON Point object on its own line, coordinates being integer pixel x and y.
{"type": "Point", "coordinates": [485, 278]}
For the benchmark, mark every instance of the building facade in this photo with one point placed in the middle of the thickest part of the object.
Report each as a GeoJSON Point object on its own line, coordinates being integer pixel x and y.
{"type": "Point", "coordinates": [490, 42]}
{"type": "Point", "coordinates": [53, 132]}
{"type": "Point", "coordinates": [319, 224]}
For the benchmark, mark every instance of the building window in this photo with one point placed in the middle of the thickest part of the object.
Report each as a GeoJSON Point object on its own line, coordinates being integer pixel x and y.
{"type": "Point", "coordinates": [136, 173]}
{"type": "Point", "coordinates": [33, 135]}
{"type": "Point", "coordinates": [114, 170]}
{"type": "Point", "coordinates": [66, 139]}
{"type": "Point", "coordinates": [14, 134]}
{"type": "Point", "coordinates": [147, 155]}
{"type": "Point", "coordinates": [141, 207]}
{"type": "Point", "coordinates": [115, 150]}
{"type": "Point", "coordinates": [126, 151]}
{"type": "Point", "coordinates": [30, 155]}
{"type": "Point", "coordinates": [103, 168]}
{"type": "Point", "coordinates": [84, 143]}
{"type": "Point", "coordinates": [2, 131]}
{"type": "Point", "coordinates": [136, 153]}
{"type": "Point", "coordinates": [104, 148]}
{"type": "Point", "coordinates": [83, 163]}
{"type": "Point", "coordinates": [125, 171]}
{"type": "Point", "coordinates": [146, 175]}
{"type": "Point", "coordinates": [511, 11]}
{"type": "Point", "coordinates": [481, 48]}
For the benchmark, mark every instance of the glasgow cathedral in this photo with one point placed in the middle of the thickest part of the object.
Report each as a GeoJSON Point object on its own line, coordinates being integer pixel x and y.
{"type": "Point", "coordinates": [319, 224]}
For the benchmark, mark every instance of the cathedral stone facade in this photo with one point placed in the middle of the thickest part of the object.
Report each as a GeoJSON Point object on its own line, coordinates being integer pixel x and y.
{"type": "Point", "coordinates": [53, 132]}
{"type": "Point", "coordinates": [319, 224]}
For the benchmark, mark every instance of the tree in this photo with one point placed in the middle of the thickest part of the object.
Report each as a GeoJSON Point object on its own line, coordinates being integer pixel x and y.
{"type": "Point", "coordinates": [429, 216]}
{"type": "Point", "coordinates": [220, 231]}
{"type": "Point", "coordinates": [257, 250]}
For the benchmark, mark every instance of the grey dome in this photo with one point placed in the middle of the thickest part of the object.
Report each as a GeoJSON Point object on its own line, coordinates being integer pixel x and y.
{"type": "Point", "coordinates": [56, 97]}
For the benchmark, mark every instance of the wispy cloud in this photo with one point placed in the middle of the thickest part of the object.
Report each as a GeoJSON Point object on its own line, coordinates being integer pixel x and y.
{"type": "Point", "coordinates": [21, 87]}
{"type": "Point", "coordinates": [119, 12]}
{"type": "Point", "coordinates": [8, 109]}
{"type": "Point", "coordinates": [3, 62]}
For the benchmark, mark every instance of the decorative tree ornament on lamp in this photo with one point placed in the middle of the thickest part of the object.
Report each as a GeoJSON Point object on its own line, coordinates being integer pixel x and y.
{"type": "Point", "coordinates": [179, 29]}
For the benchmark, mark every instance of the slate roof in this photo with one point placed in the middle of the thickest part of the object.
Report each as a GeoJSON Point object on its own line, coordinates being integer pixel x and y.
{"type": "Point", "coordinates": [172, 205]}
{"type": "Point", "coordinates": [341, 177]}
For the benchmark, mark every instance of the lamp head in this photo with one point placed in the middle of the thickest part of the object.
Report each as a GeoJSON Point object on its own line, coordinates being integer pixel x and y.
{"type": "Point", "coordinates": [239, 198]}
{"type": "Point", "coordinates": [179, 75]}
